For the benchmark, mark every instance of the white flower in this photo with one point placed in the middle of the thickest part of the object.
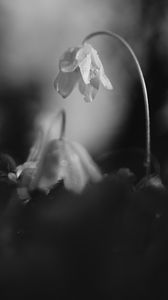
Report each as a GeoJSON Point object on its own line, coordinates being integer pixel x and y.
{"type": "Point", "coordinates": [54, 159]}
{"type": "Point", "coordinates": [67, 161]}
{"type": "Point", "coordinates": [81, 65]}
{"type": "Point", "coordinates": [61, 160]}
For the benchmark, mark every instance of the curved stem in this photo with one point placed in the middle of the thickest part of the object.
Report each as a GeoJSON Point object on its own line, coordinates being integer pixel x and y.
{"type": "Point", "coordinates": [146, 102]}
{"type": "Point", "coordinates": [63, 123]}
{"type": "Point", "coordinates": [61, 115]}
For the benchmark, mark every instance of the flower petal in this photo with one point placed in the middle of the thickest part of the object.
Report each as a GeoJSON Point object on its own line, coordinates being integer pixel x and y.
{"type": "Point", "coordinates": [85, 66]}
{"type": "Point", "coordinates": [89, 166]}
{"type": "Point", "coordinates": [48, 170]}
{"type": "Point", "coordinates": [97, 63]}
{"type": "Point", "coordinates": [89, 90]}
{"type": "Point", "coordinates": [68, 61]}
{"type": "Point", "coordinates": [74, 176]}
{"type": "Point", "coordinates": [95, 83]}
{"type": "Point", "coordinates": [95, 59]}
{"type": "Point", "coordinates": [83, 52]}
{"type": "Point", "coordinates": [105, 81]}
{"type": "Point", "coordinates": [65, 82]}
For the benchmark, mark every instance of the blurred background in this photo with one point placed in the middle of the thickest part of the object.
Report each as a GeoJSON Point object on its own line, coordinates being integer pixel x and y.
{"type": "Point", "coordinates": [33, 36]}
{"type": "Point", "coordinates": [107, 239]}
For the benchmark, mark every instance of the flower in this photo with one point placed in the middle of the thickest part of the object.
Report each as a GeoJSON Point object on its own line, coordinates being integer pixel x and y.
{"type": "Point", "coordinates": [68, 161]}
{"type": "Point", "coordinates": [52, 160]}
{"type": "Point", "coordinates": [61, 160]}
{"type": "Point", "coordinates": [81, 64]}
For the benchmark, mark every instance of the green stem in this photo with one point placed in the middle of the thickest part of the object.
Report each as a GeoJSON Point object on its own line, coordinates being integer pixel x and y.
{"type": "Point", "coordinates": [146, 102]}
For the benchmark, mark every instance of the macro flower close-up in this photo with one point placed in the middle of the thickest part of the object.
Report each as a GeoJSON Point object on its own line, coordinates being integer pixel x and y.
{"type": "Point", "coordinates": [84, 188]}
{"type": "Point", "coordinates": [81, 65]}
{"type": "Point", "coordinates": [61, 160]}
{"type": "Point", "coordinates": [52, 160]}
{"type": "Point", "coordinates": [68, 161]}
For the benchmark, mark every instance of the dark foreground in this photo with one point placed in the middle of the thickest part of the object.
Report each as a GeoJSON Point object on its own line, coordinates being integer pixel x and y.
{"type": "Point", "coordinates": [111, 242]}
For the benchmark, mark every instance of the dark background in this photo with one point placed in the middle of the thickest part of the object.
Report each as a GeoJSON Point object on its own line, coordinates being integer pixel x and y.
{"type": "Point", "coordinates": [110, 241]}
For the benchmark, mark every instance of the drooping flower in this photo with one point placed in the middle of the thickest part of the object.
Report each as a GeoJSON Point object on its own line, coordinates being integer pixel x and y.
{"type": "Point", "coordinates": [52, 160]}
{"type": "Point", "coordinates": [81, 65]}
{"type": "Point", "coordinates": [68, 161]}
{"type": "Point", "coordinates": [62, 160]}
